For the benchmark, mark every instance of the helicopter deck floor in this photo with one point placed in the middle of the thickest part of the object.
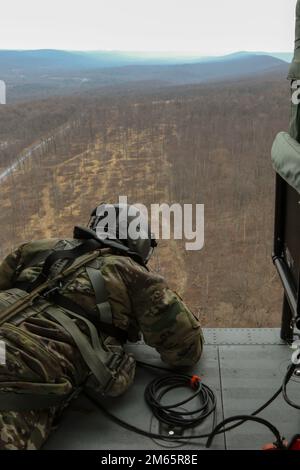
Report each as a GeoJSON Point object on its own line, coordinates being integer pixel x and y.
{"type": "Point", "coordinates": [244, 367]}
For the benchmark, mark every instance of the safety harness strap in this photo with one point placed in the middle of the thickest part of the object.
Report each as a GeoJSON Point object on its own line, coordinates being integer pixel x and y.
{"type": "Point", "coordinates": [21, 401]}
{"type": "Point", "coordinates": [103, 364]}
{"type": "Point", "coordinates": [45, 397]}
{"type": "Point", "coordinates": [94, 356]}
{"type": "Point", "coordinates": [12, 312]}
{"type": "Point", "coordinates": [106, 328]}
{"type": "Point", "coordinates": [71, 255]}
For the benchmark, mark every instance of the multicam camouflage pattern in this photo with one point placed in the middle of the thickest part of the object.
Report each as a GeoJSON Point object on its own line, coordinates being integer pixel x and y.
{"type": "Point", "coordinates": [42, 357]}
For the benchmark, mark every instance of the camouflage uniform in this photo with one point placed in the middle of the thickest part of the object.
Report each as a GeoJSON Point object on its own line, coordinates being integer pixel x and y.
{"type": "Point", "coordinates": [41, 354]}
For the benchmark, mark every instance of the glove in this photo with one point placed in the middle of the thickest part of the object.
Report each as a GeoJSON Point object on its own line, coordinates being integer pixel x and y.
{"type": "Point", "coordinates": [125, 376]}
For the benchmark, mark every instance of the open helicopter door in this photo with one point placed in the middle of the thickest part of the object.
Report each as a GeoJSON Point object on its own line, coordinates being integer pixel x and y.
{"type": "Point", "coordinates": [287, 253]}
{"type": "Point", "coordinates": [286, 162]}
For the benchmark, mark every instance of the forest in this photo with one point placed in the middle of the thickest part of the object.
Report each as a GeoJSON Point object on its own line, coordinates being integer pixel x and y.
{"type": "Point", "coordinates": [193, 143]}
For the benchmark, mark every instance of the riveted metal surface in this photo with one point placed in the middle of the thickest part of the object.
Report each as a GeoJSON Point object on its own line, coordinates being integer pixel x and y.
{"type": "Point", "coordinates": [84, 426]}
{"type": "Point", "coordinates": [243, 366]}
{"type": "Point", "coordinates": [229, 336]}
{"type": "Point", "coordinates": [250, 375]}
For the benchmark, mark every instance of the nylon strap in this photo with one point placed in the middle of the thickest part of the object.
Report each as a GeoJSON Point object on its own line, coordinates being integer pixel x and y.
{"type": "Point", "coordinates": [23, 400]}
{"type": "Point", "coordinates": [101, 295]}
{"type": "Point", "coordinates": [104, 355]}
{"type": "Point", "coordinates": [109, 329]}
{"type": "Point", "coordinates": [38, 258]}
{"type": "Point", "coordinates": [74, 253]}
{"type": "Point", "coordinates": [18, 401]}
{"type": "Point", "coordinates": [95, 357]}
{"type": "Point", "coordinates": [13, 310]}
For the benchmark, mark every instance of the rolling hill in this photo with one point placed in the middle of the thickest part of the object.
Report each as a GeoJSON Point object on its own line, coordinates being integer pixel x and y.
{"type": "Point", "coordinates": [185, 143]}
{"type": "Point", "coordinates": [51, 59]}
{"type": "Point", "coordinates": [40, 74]}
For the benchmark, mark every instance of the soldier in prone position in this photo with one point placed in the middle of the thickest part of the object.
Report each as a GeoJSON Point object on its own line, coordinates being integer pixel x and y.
{"type": "Point", "coordinates": [95, 293]}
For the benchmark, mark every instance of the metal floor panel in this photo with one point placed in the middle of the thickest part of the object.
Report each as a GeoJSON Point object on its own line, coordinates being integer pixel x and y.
{"type": "Point", "coordinates": [85, 427]}
{"type": "Point", "coordinates": [230, 336]}
{"type": "Point", "coordinates": [243, 366]}
{"type": "Point", "coordinates": [250, 375]}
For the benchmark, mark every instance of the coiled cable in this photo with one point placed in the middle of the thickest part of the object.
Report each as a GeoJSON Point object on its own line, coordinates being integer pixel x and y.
{"type": "Point", "coordinates": [170, 414]}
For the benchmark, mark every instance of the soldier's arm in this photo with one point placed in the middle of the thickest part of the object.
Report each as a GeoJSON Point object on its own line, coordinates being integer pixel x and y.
{"type": "Point", "coordinates": [169, 326]}
{"type": "Point", "coordinates": [165, 321]}
{"type": "Point", "coordinates": [8, 268]}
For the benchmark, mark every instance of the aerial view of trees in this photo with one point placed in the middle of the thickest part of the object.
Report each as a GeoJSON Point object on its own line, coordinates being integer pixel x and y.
{"type": "Point", "coordinates": [197, 143]}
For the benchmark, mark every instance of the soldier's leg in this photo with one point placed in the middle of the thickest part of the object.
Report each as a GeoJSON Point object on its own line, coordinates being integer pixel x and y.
{"type": "Point", "coordinates": [26, 430]}
{"type": "Point", "coordinates": [41, 356]}
{"type": "Point", "coordinates": [40, 359]}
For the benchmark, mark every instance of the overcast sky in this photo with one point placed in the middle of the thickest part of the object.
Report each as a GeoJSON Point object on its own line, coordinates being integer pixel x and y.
{"type": "Point", "coordinates": [204, 26]}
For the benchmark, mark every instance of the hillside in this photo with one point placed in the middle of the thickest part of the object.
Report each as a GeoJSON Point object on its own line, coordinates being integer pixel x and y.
{"type": "Point", "coordinates": [187, 143]}
{"type": "Point", "coordinates": [47, 60]}
{"type": "Point", "coordinates": [41, 74]}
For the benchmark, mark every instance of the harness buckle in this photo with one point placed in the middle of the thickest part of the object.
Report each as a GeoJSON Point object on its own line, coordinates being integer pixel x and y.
{"type": "Point", "coordinates": [52, 289]}
{"type": "Point", "coordinates": [115, 364]}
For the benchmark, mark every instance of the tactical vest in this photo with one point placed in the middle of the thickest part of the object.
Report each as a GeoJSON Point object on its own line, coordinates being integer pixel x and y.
{"type": "Point", "coordinates": [45, 294]}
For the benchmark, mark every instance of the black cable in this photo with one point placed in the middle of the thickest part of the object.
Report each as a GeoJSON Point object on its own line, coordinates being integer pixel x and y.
{"type": "Point", "coordinates": [131, 427]}
{"type": "Point", "coordinates": [243, 419]}
{"type": "Point", "coordinates": [230, 428]}
{"type": "Point", "coordinates": [259, 410]}
{"type": "Point", "coordinates": [167, 413]}
{"type": "Point", "coordinates": [210, 436]}
{"type": "Point", "coordinates": [282, 389]}
{"type": "Point", "coordinates": [286, 380]}
{"type": "Point", "coordinates": [152, 366]}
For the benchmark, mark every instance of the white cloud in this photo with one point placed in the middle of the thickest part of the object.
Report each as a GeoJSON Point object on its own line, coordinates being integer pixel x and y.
{"type": "Point", "coordinates": [205, 26]}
